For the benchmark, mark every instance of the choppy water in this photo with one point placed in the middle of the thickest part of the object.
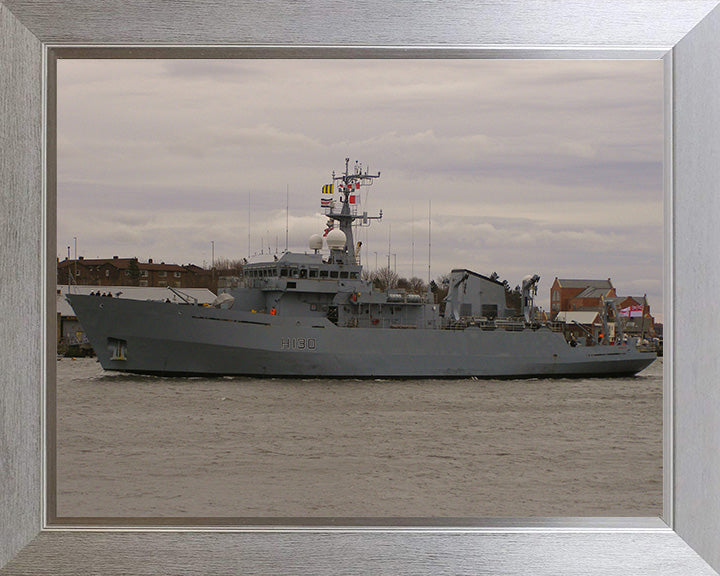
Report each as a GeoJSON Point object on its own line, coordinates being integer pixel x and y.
{"type": "Point", "coordinates": [242, 447]}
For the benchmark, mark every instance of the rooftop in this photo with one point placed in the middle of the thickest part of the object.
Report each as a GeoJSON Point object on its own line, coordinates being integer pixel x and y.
{"type": "Point", "coordinates": [572, 283]}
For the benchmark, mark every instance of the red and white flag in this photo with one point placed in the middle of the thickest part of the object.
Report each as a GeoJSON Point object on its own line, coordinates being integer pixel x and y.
{"type": "Point", "coordinates": [632, 312]}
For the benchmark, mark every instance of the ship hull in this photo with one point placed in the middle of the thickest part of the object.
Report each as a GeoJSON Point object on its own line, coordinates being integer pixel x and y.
{"type": "Point", "coordinates": [171, 339]}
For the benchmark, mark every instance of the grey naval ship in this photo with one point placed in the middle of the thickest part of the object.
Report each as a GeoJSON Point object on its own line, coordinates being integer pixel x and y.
{"type": "Point", "coordinates": [313, 315]}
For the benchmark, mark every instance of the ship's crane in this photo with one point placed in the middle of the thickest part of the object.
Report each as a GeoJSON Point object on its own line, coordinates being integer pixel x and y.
{"type": "Point", "coordinates": [529, 291]}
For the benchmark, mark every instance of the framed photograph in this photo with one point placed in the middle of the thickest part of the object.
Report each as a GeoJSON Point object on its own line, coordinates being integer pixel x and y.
{"type": "Point", "coordinates": [686, 534]}
{"type": "Point", "coordinates": [407, 407]}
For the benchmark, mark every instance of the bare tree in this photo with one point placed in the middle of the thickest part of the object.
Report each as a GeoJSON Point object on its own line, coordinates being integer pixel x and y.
{"type": "Point", "coordinates": [227, 265]}
{"type": "Point", "coordinates": [384, 279]}
{"type": "Point", "coordinates": [440, 287]}
{"type": "Point", "coordinates": [417, 286]}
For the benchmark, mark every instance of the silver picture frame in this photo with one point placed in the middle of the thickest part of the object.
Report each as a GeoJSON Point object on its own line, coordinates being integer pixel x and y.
{"type": "Point", "coordinates": [683, 33]}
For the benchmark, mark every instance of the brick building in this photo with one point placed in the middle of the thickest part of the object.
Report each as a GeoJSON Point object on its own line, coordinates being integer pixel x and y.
{"type": "Point", "coordinates": [575, 296]}
{"type": "Point", "coordinates": [578, 295]}
{"type": "Point", "coordinates": [129, 272]}
{"type": "Point", "coordinates": [637, 320]}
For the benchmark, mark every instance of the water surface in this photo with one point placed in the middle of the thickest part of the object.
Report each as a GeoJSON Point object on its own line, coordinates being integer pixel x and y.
{"type": "Point", "coordinates": [245, 447]}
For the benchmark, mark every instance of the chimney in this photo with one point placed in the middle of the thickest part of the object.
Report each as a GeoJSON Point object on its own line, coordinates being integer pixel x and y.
{"type": "Point", "coordinates": [115, 257]}
{"type": "Point", "coordinates": [149, 260]}
{"type": "Point", "coordinates": [81, 257]}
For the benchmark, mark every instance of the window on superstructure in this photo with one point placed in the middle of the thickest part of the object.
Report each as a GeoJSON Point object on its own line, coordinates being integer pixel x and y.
{"type": "Point", "coordinates": [333, 273]}
{"type": "Point", "coordinates": [354, 275]}
{"type": "Point", "coordinates": [323, 273]}
{"type": "Point", "coordinates": [283, 272]}
{"type": "Point", "coordinates": [343, 274]}
{"type": "Point", "coordinates": [313, 273]}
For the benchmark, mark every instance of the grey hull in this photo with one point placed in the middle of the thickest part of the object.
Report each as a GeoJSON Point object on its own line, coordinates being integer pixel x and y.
{"type": "Point", "coordinates": [159, 338]}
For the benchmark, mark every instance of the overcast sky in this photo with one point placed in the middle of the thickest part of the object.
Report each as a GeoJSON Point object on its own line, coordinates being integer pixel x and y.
{"type": "Point", "coordinates": [548, 167]}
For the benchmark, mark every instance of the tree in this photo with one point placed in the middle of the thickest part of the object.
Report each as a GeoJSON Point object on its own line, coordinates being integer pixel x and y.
{"type": "Point", "coordinates": [227, 265]}
{"type": "Point", "coordinates": [134, 272]}
{"type": "Point", "coordinates": [384, 279]}
{"type": "Point", "coordinates": [417, 286]}
{"type": "Point", "coordinates": [440, 288]}
{"type": "Point", "coordinates": [513, 297]}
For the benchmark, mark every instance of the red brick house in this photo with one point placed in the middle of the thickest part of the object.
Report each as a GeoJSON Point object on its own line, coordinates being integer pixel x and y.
{"type": "Point", "coordinates": [576, 295]}
{"type": "Point", "coordinates": [128, 272]}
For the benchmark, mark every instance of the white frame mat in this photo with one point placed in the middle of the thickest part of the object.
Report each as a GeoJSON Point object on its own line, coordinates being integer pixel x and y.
{"type": "Point", "coordinates": [685, 34]}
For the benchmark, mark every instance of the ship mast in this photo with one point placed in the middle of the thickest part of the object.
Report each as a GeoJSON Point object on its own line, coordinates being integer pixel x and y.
{"type": "Point", "coordinates": [349, 184]}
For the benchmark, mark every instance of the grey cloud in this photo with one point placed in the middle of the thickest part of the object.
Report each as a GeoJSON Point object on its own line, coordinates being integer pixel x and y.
{"type": "Point", "coordinates": [159, 158]}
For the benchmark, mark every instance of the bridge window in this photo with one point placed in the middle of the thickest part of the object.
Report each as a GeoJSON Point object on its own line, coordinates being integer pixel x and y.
{"type": "Point", "coordinates": [333, 273]}
{"type": "Point", "coordinates": [343, 274]}
{"type": "Point", "coordinates": [323, 273]}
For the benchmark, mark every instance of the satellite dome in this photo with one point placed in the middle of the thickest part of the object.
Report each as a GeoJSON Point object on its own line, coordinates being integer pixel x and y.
{"type": "Point", "coordinates": [336, 239]}
{"type": "Point", "coordinates": [316, 242]}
